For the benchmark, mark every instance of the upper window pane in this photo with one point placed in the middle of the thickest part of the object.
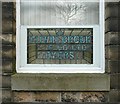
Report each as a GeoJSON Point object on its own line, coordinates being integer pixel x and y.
{"type": "Point", "coordinates": [59, 12]}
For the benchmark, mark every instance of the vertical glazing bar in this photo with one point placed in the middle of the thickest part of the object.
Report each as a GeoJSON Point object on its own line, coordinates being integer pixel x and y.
{"type": "Point", "coordinates": [18, 51]}
{"type": "Point", "coordinates": [102, 32]}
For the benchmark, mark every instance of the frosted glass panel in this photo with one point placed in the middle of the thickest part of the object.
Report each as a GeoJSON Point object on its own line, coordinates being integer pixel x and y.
{"type": "Point", "coordinates": [57, 12]}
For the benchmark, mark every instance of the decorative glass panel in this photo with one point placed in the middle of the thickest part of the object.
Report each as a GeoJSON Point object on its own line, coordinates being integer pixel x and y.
{"type": "Point", "coordinates": [60, 45]}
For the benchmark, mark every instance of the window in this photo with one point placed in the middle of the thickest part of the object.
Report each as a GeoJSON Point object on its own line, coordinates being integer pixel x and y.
{"type": "Point", "coordinates": [60, 36]}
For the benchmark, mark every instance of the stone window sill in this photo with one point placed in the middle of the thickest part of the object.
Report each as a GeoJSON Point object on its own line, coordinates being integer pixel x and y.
{"type": "Point", "coordinates": [61, 82]}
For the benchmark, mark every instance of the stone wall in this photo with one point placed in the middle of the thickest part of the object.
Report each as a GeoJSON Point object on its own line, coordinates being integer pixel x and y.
{"type": "Point", "coordinates": [8, 49]}
{"type": "Point", "coordinates": [112, 44]}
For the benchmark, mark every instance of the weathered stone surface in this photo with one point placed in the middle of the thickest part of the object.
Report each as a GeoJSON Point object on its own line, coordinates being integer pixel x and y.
{"type": "Point", "coordinates": [113, 66]}
{"type": "Point", "coordinates": [7, 13]}
{"type": "Point", "coordinates": [111, 10]}
{"type": "Point", "coordinates": [6, 39]}
{"type": "Point", "coordinates": [47, 96]}
{"type": "Point", "coordinates": [7, 26]}
{"type": "Point", "coordinates": [92, 97]}
{"type": "Point", "coordinates": [111, 25]}
{"type": "Point", "coordinates": [23, 97]}
{"type": "Point", "coordinates": [36, 97]}
{"type": "Point", "coordinates": [84, 97]}
{"type": "Point", "coordinates": [6, 95]}
{"type": "Point", "coordinates": [7, 66]}
{"type": "Point", "coordinates": [70, 97]}
{"type": "Point", "coordinates": [7, 17]}
{"type": "Point", "coordinates": [7, 10]}
{"type": "Point", "coordinates": [114, 81]}
{"type": "Point", "coordinates": [62, 82]}
{"type": "Point", "coordinates": [7, 53]}
{"type": "Point", "coordinates": [43, 97]}
{"type": "Point", "coordinates": [7, 4]}
{"type": "Point", "coordinates": [6, 81]}
{"type": "Point", "coordinates": [7, 47]}
{"type": "Point", "coordinates": [112, 38]}
{"type": "Point", "coordinates": [113, 96]}
{"type": "Point", "coordinates": [112, 52]}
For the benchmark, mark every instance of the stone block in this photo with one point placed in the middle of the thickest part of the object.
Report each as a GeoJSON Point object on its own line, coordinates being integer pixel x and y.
{"type": "Point", "coordinates": [6, 95]}
{"type": "Point", "coordinates": [69, 97]}
{"type": "Point", "coordinates": [23, 97]}
{"type": "Point", "coordinates": [7, 17]}
{"type": "Point", "coordinates": [114, 81]}
{"type": "Point", "coordinates": [7, 26]}
{"type": "Point", "coordinates": [7, 47]}
{"type": "Point", "coordinates": [7, 66]}
{"type": "Point", "coordinates": [6, 39]}
{"type": "Point", "coordinates": [111, 25]}
{"type": "Point", "coordinates": [7, 13]}
{"type": "Point", "coordinates": [93, 97]}
{"type": "Point", "coordinates": [113, 96]}
{"type": "Point", "coordinates": [113, 66]}
{"type": "Point", "coordinates": [47, 97]}
{"type": "Point", "coordinates": [112, 52]}
{"type": "Point", "coordinates": [40, 97]}
{"type": "Point", "coordinates": [112, 38]}
{"type": "Point", "coordinates": [6, 81]}
{"type": "Point", "coordinates": [7, 54]}
{"type": "Point", "coordinates": [84, 97]}
{"type": "Point", "coordinates": [7, 51]}
{"type": "Point", "coordinates": [7, 5]}
{"type": "Point", "coordinates": [62, 82]}
{"type": "Point", "coordinates": [111, 10]}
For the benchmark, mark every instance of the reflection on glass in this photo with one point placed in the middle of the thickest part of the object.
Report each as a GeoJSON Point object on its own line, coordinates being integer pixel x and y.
{"type": "Point", "coordinates": [60, 46]}
{"type": "Point", "coordinates": [59, 12]}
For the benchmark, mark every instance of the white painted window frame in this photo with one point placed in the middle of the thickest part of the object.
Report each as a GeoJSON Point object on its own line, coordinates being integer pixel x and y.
{"type": "Point", "coordinates": [98, 65]}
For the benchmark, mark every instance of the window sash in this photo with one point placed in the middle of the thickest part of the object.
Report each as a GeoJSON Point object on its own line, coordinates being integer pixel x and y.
{"type": "Point", "coordinates": [98, 50]}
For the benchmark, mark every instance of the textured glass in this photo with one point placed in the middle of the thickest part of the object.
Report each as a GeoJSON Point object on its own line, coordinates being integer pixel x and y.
{"type": "Point", "coordinates": [59, 12]}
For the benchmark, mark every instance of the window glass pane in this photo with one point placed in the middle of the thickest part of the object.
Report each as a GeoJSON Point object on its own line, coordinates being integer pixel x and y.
{"type": "Point", "coordinates": [60, 46]}
{"type": "Point", "coordinates": [59, 12]}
